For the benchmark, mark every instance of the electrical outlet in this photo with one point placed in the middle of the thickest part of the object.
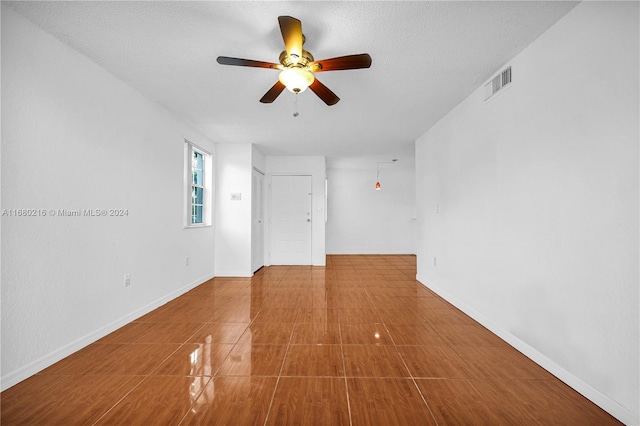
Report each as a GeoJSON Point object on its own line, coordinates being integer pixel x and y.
{"type": "Point", "coordinates": [186, 262]}
{"type": "Point", "coordinates": [127, 280]}
{"type": "Point", "coordinates": [435, 261]}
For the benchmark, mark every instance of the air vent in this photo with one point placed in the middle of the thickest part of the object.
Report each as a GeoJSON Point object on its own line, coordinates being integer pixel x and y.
{"type": "Point", "coordinates": [497, 83]}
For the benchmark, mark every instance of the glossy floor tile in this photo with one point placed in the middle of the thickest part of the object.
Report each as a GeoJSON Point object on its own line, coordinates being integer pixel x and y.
{"type": "Point", "coordinates": [467, 401]}
{"type": "Point", "coordinates": [243, 400]}
{"type": "Point", "coordinates": [158, 397]}
{"type": "Point", "coordinates": [358, 342]}
{"type": "Point", "coordinates": [313, 360]}
{"type": "Point", "coordinates": [64, 400]}
{"type": "Point", "coordinates": [309, 401]}
{"type": "Point", "coordinates": [387, 401]}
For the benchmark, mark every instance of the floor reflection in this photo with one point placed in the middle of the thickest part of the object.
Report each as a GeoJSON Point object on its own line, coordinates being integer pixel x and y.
{"type": "Point", "coordinates": [201, 390]}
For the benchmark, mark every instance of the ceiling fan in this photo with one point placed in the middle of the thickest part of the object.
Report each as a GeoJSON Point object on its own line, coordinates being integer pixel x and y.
{"type": "Point", "coordinates": [297, 65]}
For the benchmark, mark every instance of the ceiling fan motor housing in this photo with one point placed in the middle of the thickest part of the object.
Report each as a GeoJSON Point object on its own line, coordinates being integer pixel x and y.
{"type": "Point", "coordinates": [287, 60]}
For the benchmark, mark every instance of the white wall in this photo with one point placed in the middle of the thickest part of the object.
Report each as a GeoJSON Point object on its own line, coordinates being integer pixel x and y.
{"type": "Point", "coordinates": [314, 166]}
{"type": "Point", "coordinates": [537, 234]}
{"type": "Point", "coordinates": [233, 217]}
{"type": "Point", "coordinates": [362, 220]}
{"type": "Point", "coordinates": [75, 137]}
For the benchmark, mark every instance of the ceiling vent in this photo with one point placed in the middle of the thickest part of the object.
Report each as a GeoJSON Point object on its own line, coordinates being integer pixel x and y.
{"type": "Point", "coordinates": [497, 83]}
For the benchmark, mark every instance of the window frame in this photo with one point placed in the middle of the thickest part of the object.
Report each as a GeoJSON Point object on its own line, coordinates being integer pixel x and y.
{"type": "Point", "coordinates": [206, 186]}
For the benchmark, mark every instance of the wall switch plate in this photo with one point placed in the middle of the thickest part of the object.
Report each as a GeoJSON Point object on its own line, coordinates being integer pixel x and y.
{"type": "Point", "coordinates": [127, 280]}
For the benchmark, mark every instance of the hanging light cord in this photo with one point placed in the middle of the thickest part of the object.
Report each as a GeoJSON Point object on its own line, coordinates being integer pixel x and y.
{"type": "Point", "coordinates": [378, 171]}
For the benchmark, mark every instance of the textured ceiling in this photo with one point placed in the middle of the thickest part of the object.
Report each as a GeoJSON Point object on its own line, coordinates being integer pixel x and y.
{"type": "Point", "coordinates": [427, 57]}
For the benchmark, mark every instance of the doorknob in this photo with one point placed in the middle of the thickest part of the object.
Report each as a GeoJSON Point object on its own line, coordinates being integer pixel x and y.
{"type": "Point", "coordinates": [308, 220]}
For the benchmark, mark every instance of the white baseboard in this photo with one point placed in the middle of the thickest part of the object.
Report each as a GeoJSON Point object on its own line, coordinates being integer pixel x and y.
{"type": "Point", "coordinates": [15, 377]}
{"type": "Point", "coordinates": [370, 253]}
{"type": "Point", "coordinates": [234, 274]}
{"type": "Point", "coordinates": [319, 263]}
{"type": "Point", "coordinates": [601, 400]}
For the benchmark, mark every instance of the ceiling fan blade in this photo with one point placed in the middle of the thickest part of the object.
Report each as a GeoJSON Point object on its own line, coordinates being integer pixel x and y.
{"type": "Point", "coordinates": [291, 30]}
{"type": "Point", "coordinates": [324, 93]}
{"type": "Point", "coordinates": [225, 60]}
{"type": "Point", "coordinates": [273, 93]}
{"type": "Point", "coordinates": [349, 62]}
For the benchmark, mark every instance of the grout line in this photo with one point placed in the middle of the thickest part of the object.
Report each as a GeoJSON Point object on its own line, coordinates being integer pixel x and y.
{"type": "Point", "coordinates": [413, 379]}
{"type": "Point", "coordinates": [144, 378]}
{"type": "Point", "coordinates": [215, 373]}
{"type": "Point", "coordinates": [410, 373]}
{"type": "Point", "coordinates": [284, 359]}
{"type": "Point", "coordinates": [120, 400]}
{"type": "Point", "coordinates": [344, 371]}
{"type": "Point", "coordinates": [204, 388]}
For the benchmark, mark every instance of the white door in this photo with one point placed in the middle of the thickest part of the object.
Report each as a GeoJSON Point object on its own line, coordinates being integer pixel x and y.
{"type": "Point", "coordinates": [290, 242]}
{"type": "Point", "coordinates": [257, 221]}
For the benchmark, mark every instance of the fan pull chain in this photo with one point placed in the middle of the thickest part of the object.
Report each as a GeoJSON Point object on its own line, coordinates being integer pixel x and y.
{"type": "Point", "coordinates": [295, 106]}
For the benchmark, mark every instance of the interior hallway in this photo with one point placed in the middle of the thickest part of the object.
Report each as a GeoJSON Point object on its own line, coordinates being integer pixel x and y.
{"type": "Point", "coordinates": [359, 342]}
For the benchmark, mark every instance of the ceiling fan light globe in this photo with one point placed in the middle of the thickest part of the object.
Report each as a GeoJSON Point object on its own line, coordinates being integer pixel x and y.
{"type": "Point", "coordinates": [296, 79]}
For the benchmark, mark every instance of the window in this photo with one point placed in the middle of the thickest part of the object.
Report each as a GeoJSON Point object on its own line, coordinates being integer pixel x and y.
{"type": "Point", "coordinates": [198, 173]}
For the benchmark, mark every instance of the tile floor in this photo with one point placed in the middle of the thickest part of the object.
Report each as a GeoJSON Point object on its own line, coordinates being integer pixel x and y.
{"type": "Point", "coordinates": [359, 342]}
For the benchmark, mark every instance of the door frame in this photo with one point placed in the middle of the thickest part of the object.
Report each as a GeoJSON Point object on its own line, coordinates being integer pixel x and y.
{"type": "Point", "coordinates": [262, 215]}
